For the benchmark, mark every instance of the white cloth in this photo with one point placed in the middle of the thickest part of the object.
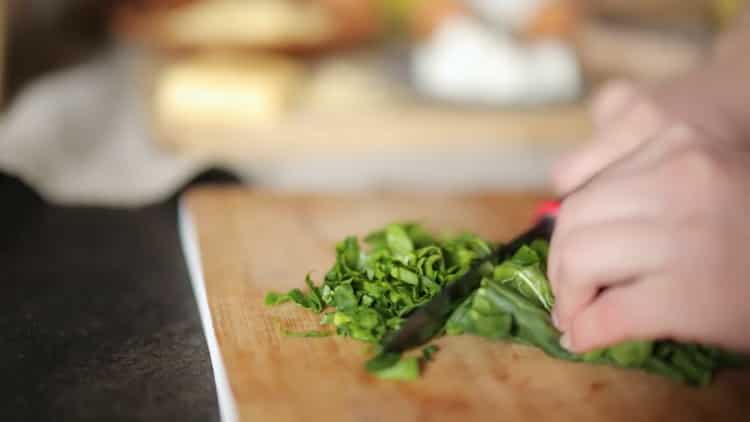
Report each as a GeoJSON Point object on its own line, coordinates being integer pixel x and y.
{"type": "Point", "coordinates": [80, 137]}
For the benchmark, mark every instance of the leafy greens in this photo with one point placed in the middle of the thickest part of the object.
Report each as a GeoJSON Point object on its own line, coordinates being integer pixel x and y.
{"type": "Point", "coordinates": [372, 292]}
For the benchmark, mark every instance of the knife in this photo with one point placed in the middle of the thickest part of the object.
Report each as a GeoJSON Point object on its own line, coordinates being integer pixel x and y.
{"type": "Point", "coordinates": [428, 320]}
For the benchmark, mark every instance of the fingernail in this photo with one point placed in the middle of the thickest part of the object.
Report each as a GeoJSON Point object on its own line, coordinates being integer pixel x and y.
{"type": "Point", "coordinates": [565, 341]}
{"type": "Point", "coordinates": [555, 320]}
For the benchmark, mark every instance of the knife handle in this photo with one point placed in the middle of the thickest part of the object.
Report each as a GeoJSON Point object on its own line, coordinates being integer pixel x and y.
{"type": "Point", "coordinates": [547, 209]}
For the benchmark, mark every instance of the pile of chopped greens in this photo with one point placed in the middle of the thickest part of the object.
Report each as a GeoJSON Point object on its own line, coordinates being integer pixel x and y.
{"type": "Point", "coordinates": [368, 294]}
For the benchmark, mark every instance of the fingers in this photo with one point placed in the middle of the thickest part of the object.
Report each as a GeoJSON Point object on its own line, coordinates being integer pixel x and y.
{"type": "Point", "coordinates": [613, 231]}
{"type": "Point", "coordinates": [603, 203]}
{"type": "Point", "coordinates": [633, 188]}
{"type": "Point", "coordinates": [639, 311]}
{"type": "Point", "coordinates": [642, 122]}
{"type": "Point", "coordinates": [606, 201]}
{"type": "Point", "coordinates": [595, 257]}
{"type": "Point", "coordinates": [612, 101]}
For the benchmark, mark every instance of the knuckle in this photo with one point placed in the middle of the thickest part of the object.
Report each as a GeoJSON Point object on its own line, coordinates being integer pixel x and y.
{"type": "Point", "coordinates": [614, 95]}
{"type": "Point", "coordinates": [705, 175]}
{"type": "Point", "coordinates": [569, 259]}
{"type": "Point", "coordinates": [648, 113]}
{"type": "Point", "coordinates": [698, 160]}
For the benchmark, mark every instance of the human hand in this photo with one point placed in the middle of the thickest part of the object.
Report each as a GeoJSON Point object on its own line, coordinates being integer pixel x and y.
{"type": "Point", "coordinates": [653, 247]}
{"type": "Point", "coordinates": [626, 114]}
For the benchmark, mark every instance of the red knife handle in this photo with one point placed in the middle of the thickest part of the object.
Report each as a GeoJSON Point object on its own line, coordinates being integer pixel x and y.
{"type": "Point", "coordinates": [548, 209]}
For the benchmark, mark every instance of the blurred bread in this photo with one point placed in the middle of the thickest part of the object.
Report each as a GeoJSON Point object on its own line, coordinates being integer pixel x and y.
{"type": "Point", "coordinates": [555, 19]}
{"type": "Point", "coordinates": [288, 25]}
{"type": "Point", "coordinates": [430, 14]}
{"type": "Point", "coordinates": [226, 91]}
{"type": "Point", "coordinates": [355, 21]}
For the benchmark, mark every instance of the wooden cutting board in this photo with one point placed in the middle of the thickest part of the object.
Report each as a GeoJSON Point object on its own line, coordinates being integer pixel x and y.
{"type": "Point", "coordinates": [253, 242]}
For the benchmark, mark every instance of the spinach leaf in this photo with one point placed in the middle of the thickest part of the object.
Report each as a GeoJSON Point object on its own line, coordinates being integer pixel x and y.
{"type": "Point", "coordinates": [307, 334]}
{"type": "Point", "coordinates": [428, 352]}
{"type": "Point", "coordinates": [405, 369]}
{"type": "Point", "coordinates": [398, 241]}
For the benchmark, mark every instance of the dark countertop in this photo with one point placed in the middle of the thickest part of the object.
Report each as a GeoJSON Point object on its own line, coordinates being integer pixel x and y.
{"type": "Point", "coordinates": [97, 317]}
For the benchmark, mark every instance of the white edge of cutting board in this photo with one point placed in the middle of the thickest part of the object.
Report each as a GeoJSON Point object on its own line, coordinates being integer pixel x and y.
{"type": "Point", "coordinates": [191, 251]}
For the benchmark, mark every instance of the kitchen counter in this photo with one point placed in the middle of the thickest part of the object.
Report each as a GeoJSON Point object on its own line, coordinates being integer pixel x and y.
{"type": "Point", "coordinates": [97, 317]}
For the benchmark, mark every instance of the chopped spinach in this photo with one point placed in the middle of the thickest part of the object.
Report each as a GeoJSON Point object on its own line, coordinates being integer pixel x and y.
{"type": "Point", "coordinates": [428, 352]}
{"type": "Point", "coordinates": [307, 334]}
{"type": "Point", "coordinates": [370, 292]}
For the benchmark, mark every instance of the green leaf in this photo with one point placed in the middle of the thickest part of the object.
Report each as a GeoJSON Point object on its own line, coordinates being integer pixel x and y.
{"type": "Point", "coordinates": [404, 369]}
{"type": "Point", "coordinates": [403, 274]}
{"type": "Point", "coordinates": [398, 241]}
{"type": "Point", "coordinates": [315, 298]}
{"type": "Point", "coordinates": [541, 247]}
{"type": "Point", "coordinates": [429, 352]}
{"type": "Point", "coordinates": [307, 334]}
{"type": "Point", "coordinates": [631, 353]}
{"type": "Point", "coordinates": [525, 256]}
{"type": "Point", "coordinates": [594, 355]}
{"type": "Point", "coordinates": [420, 237]}
{"type": "Point", "coordinates": [459, 322]}
{"type": "Point", "coordinates": [344, 297]}
{"type": "Point", "coordinates": [531, 323]}
{"type": "Point", "coordinates": [348, 252]}
{"type": "Point", "coordinates": [527, 280]}
{"type": "Point", "coordinates": [273, 298]}
{"type": "Point", "coordinates": [493, 327]}
{"type": "Point", "coordinates": [327, 318]}
{"type": "Point", "coordinates": [382, 361]}
{"type": "Point", "coordinates": [368, 318]}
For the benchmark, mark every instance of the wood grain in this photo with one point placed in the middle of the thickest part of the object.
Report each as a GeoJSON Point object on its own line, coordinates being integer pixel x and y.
{"type": "Point", "coordinates": [253, 242]}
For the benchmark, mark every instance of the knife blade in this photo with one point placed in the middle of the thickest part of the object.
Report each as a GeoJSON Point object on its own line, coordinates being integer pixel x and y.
{"type": "Point", "coordinates": [427, 321]}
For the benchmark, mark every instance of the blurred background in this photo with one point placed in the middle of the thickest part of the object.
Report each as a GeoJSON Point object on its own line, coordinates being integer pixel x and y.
{"type": "Point", "coordinates": [119, 102]}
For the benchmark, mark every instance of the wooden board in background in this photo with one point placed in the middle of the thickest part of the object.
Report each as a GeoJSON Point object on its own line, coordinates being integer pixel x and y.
{"type": "Point", "coordinates": [354, 134]}
{"type": "Point", "coordinates": [253, 242]}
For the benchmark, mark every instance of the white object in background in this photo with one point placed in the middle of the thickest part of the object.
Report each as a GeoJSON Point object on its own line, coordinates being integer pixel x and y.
{"type": "Point", "coordinates": [511, 14]}
{"type": "Point", "coordinates": [79, 137]}
{"type": "Point", "coordinates": [467, 62]}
